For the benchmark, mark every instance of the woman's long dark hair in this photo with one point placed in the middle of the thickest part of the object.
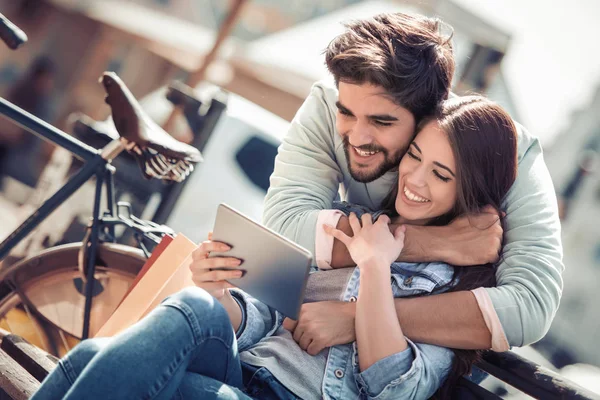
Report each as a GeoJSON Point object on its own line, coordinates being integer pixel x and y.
{"type": "Point", "coordinates": [483, 138]}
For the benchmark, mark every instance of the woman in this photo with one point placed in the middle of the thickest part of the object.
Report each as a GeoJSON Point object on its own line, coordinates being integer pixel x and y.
{"type": "Point", "coordinates": [461, 160]}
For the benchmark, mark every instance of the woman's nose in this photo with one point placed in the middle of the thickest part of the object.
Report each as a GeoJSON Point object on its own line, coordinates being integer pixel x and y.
{"type": "Point", "coordinates": [416, 177]}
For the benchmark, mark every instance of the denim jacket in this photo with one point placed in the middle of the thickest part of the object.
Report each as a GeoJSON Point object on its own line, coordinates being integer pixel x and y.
{"type": "Point", "coordinates": [415, 373]}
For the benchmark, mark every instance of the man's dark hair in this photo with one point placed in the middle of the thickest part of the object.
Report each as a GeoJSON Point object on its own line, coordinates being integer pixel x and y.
{"type": "Point", "coordinates": [406, 55]}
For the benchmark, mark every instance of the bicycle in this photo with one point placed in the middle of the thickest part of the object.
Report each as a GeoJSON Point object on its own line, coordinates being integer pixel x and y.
{"type": "Point", "coordinates": [92, 276]}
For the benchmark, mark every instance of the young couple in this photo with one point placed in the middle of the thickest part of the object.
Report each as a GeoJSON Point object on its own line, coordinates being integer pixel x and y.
{"type": "Point", "coordinates": [421, 217]}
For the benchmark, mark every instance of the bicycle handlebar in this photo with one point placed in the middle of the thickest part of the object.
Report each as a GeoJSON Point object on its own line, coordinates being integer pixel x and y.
{"type": "Point", "coordinates": [11, 34]}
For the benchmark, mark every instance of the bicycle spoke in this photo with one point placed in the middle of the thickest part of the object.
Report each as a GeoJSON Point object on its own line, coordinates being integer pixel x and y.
{"type": "Point", "coordinates": [35, 326]}
{"type": "Point", "coordinates": [61, 333]}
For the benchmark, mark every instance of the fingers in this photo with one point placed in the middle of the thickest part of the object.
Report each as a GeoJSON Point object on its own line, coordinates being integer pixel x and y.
{"type": "Point", "coordinates": [205, 247]}
{"type": "Point", "coordinates": [210, 235]}
{"type": "Point", "coordinates": [290, 324]}
{"type": "Point", "coordinates": [336, 233]}
{"type": "Point", "coordinates": [383, 218]}
{"type": "Point", "coordinates": [496, 215]}
{"type": "Point", "coordinates": [366, 219]}
{"type": "Point", "coordinates": [314, 348]}
{"type": "Point", "coordinates": [217, 275]}
{"type": "Point", "coordinates": [489, 210]}
{"type": "Point", "coordinates": [304, 341]}
{"type": "Point", "coordinates": [399, 233]}
{"type": "Point", "coordinates": [207, 269]}
{"type": "Point", "coordinates": [298, 332]}
{"type": "Point", "coordinates": [354, 223]}
{"type": "Point", "coordinates": [215, 263]}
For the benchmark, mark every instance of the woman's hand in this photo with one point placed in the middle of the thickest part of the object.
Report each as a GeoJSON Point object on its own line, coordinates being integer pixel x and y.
{"type": "Point", "coordinates": [372, 242]}
{"type": "Point", "coordinates": [210, 273]}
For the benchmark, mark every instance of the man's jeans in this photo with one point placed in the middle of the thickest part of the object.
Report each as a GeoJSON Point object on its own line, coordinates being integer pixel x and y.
{"type": "Point", "coordinates": [184, 349]}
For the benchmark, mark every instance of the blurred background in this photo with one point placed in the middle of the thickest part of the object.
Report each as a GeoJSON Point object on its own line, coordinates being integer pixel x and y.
{"type": "Point", "coordinates": [535, 59]}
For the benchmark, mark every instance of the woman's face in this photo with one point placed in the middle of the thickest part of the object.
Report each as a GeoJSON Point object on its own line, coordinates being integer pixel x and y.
{"type": "Point", "coordinates": [427, 177]}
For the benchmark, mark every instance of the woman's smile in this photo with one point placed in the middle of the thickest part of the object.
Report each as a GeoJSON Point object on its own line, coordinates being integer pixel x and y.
{"type": "Point", "coordinates": [413, 197]}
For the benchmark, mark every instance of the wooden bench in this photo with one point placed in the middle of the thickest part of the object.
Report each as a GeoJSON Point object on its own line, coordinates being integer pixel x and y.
{"type": "Point", "coordinates": [23, 366]}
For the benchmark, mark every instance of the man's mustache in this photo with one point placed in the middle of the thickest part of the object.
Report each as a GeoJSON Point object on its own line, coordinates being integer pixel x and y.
{"type": "Point", "coordinates": [365, 147]}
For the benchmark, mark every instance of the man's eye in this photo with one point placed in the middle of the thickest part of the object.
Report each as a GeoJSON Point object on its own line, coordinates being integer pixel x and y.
{"type": "Point", "coordinates": [413, 155]}
{"type": "Point", "coordinates": [381, 123]}
{"type": "Point", "coordinates": [344, 112]}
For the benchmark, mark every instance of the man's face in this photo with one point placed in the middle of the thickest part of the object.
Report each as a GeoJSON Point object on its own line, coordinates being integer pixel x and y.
{"type": "Point", "coordinates": [376, 131]}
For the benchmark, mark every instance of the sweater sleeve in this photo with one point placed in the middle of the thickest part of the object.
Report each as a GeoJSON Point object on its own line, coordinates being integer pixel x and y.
{"type": "Point", "coordinates": [306, 176]}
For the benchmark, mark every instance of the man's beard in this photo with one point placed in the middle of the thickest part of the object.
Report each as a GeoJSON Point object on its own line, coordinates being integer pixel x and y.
{"type": "Point", "coordinates": [388, 163]}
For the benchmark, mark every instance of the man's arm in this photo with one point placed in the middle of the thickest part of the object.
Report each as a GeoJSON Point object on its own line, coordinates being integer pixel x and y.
{"type": "Point", "coordinates": [306, 177]}
{"type": "Point", "coordinates": [451, 320]}
{"type": "Point", "coordinates": [472, 240]}
{"type": "Point", "coordinates": [529, 276]}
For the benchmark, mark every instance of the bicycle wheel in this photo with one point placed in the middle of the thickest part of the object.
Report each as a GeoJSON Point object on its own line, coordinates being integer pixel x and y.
{"type": "Point", "coordinates": [42, 297]}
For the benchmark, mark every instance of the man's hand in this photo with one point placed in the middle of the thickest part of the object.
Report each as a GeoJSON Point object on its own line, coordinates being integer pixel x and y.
{"type": "Point", "coordinates": [323, 324]}
{"type": "Point", "coordinates": [474, 239]}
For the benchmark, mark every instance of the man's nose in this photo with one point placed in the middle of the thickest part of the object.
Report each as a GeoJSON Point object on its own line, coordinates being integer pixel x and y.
{"type": "Point", "coordinates": [360, 135]}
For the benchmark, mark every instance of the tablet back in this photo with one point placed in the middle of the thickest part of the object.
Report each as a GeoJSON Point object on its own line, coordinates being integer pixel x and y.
{"type": "Point", "coordinates": [276, 268]}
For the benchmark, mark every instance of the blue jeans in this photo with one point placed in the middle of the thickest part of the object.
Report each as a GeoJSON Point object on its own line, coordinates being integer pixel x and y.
{"type": "Point", "coordinates": [184, 349]}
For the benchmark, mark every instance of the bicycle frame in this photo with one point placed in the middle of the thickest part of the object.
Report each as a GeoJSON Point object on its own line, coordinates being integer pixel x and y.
{"type": "Point", "coordinates": [96, 163]}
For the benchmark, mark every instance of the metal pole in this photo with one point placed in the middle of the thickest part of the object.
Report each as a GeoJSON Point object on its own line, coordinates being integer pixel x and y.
{"type": "Point", "coordinates": [91, 257]}
{"type": "Point", "coordinates": [46, 131]}
{"type": "Point", "coordinates": [196, 77]}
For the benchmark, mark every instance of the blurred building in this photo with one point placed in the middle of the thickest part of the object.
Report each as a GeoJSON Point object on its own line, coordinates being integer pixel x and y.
{"type": "Point", "coordinates": [272, 59]}
{"type": "Point", "coordinates": [277, 71]}
{"type": "Point", "coordinates": [573, 162]}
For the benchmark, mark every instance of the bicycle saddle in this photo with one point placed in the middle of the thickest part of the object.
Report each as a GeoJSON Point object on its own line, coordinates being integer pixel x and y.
{"type": "Point", "coordinates": [159, 154]}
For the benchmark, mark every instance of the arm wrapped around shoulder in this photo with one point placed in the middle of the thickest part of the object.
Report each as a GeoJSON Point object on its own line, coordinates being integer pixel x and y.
{"type": "Point", "coordinates": [529, 276]}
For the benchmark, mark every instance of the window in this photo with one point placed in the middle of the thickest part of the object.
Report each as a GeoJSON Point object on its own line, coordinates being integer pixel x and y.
{"type": "Point", "coordinates": [257, 158]}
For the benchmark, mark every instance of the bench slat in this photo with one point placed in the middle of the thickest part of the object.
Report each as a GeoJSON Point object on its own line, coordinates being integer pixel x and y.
{"type": "Point", "coordinates": [532, 379]}
{"type": "Point", "coordinates": [33, 359]}
{"type": "Point", "coordinates": [15, 382]}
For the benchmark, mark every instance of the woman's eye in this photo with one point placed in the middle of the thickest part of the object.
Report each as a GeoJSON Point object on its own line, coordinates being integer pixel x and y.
{"type": "Point", "coordinates": [440, 176]}
{"type": "Point", "coordinates": [413, 155]}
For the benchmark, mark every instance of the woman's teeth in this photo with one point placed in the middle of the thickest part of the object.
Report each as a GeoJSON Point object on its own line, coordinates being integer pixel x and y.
{"type": "Point", "coordinates": [414, 197]}
{"type": "Point", "coordinates": [365, 153]}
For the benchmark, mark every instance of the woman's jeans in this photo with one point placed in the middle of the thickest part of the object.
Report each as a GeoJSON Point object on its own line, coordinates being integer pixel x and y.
{"type": "Point", "coordinates": [184, 349]}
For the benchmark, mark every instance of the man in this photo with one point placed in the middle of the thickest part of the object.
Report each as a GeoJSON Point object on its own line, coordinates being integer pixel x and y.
{"type": "Point", "coordinates": [348, 137]}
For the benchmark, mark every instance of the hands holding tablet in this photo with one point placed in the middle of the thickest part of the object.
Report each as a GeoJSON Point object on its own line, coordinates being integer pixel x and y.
{"type": "Point", "coordinates": [211, 273]}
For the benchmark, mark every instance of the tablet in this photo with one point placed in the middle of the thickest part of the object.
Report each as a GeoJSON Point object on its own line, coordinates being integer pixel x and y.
{"type": "Point", "coordinates": [276, 268]}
